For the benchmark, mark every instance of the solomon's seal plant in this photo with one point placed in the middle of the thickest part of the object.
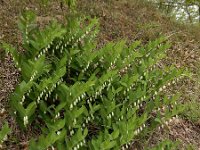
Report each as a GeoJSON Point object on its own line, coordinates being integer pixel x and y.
{"type": "Point", "coordinates": [89, 98]}
{"type": "Point", "coordinates": [4, 131]}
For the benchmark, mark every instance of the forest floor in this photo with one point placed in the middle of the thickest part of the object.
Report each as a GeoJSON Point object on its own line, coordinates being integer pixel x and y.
{"type": "Point", "coordinates": [128, 19]}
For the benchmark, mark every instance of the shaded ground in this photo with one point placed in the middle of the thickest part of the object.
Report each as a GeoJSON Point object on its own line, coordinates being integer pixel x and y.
{"type": "Point", "coordinates": [186, 132]}
{"type": "Point", "coordinates": [130, 19]}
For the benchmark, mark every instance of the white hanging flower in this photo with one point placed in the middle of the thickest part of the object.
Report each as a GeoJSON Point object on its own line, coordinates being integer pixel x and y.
{"type": "Point", "coordinates": [52, 148]}
{"type": "Point", "coordinates": [141, 128]}
{"type": "Point", "coordinates": [38, 99]}
{"type": "Point", "coordinates": [71, 106]}
{"type": "Point", "coordinates": [58, 133]}
{"type": "Point", "coordinates": [74, 121]}
{"type": "Point", "coordinates": [135, 132]}
{"type": "Point", "coordinates": [88, 118]}
{"type": "Point", "coordinates": [138, 101]}
{"type": "Point", "coordinates": [25, 120]}
{"type": "Point", "coordinates": [71, 132]}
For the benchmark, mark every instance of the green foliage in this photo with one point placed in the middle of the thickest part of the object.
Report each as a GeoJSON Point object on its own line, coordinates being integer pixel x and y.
{"type": "Point", "coordinates": [4, 132]}
{"type": "Point", "coordinates": [193, 1]}
{"type": "Point", "coordinates": [166, 145]}
{"type": "Point", "coordinates": [88, 98]}
{"type": "Point", "coordinates": [192, 108]}
{"type": "Point", "coordinates": [192, 111]}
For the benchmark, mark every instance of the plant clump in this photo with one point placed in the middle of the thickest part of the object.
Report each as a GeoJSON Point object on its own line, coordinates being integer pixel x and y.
{"type": "Point", "coordinates": [89, 98]}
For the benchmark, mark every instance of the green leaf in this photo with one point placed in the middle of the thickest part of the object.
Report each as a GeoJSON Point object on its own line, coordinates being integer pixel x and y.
{"type": "Point", "coordinates": [108, 145]}
{"type": "Point", "coordinates": [30, 110]}
{"type": "Point", "coordinates": [115, 134]}
{"type": "Point", "coordinates": [5, 130]}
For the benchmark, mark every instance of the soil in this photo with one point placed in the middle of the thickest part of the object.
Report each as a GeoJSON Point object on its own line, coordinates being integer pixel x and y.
{"type": "Point", "coordinates": [128, 19]}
